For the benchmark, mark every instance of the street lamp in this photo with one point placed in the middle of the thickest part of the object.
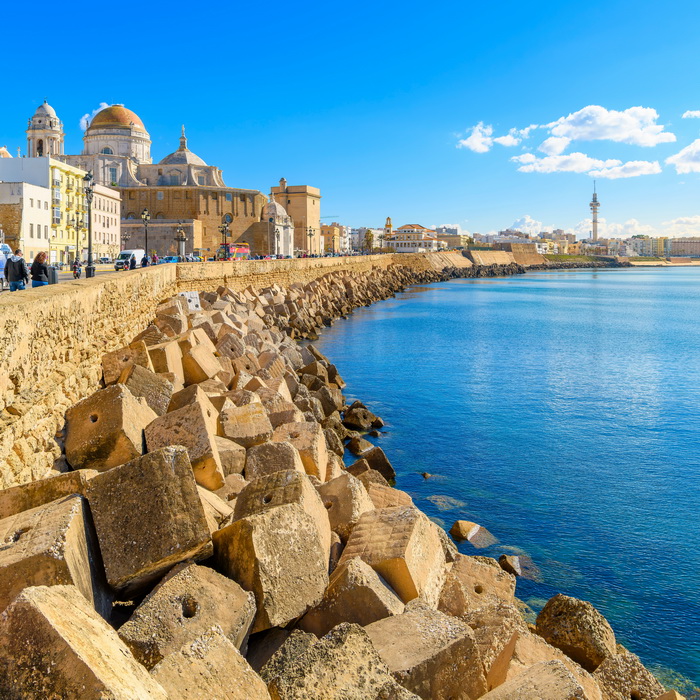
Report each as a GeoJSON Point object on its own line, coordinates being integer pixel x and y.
{"type": "Point", "coordinates": [310, 234]}
{"type": "Point", "coordinates": [145, 217]}
{"type": "Point", "coordinates": [89, 193]}
{"type": "Point", "coordinates": [223, 230]}
{"type": "Point", "coordinates": [71, 223]}
{"type": "Point", "coordinates": [181, 238]}
{"type": "Point", "coordinates": [277, 245]}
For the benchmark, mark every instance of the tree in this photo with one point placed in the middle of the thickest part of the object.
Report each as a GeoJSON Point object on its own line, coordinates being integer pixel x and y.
{"type": "Point", "coordinates": [368, 240]}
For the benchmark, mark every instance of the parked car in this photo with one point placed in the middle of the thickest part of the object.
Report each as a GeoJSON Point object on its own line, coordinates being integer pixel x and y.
{"type": "Point", "coordinates": [105, 261]}
{"type": "Point", "coordinates": [122, 262]}
{"type": "Point", "coordinates": [168, 259]}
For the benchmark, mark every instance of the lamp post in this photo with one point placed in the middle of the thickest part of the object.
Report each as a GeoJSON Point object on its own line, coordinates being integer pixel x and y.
{"type": "Point", "coordinates": [71, 223]}
{"type": "Point", "coordinates": [124, 238]}
{"type": "Point", "coordinates": [181, 238]}
{"type": "Point", "coordinates": [89, 194]}
{"type": "Point", "coordinates": [381, 243]}
{"type": "Point", "coordinates": [223, 230]}
{"type": "Point", "coordinates": [145, 217]}
{"type": "Point", "coordinates": [269, 233]}
{"type": "Point", "coordinates": [277, 244]}
{"type": "Point", "coordinates": [310, 234]}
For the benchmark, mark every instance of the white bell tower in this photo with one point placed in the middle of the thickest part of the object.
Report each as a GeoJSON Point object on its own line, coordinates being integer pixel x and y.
{"type": "Point", "coordinates": [44, 133]}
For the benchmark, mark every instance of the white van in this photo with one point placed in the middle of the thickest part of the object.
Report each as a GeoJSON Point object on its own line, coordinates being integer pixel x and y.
{"type": "Point", "coordinates": [122, 261]}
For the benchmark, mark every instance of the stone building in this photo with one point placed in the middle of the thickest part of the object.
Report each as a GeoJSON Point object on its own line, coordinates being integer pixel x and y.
{"type": "Point", "coordinates": [274, 234]}
{"type": "Point", "coordinates": [44, 133]}
{"type": "Point", "coordinates": [331, 238]}
{"type": "Point", "coordinates": [303, 204]}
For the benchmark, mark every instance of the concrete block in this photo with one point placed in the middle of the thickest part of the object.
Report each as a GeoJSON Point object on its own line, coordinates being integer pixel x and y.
{"type": "Point", "coordinates": [271, 457]}
{"type": "Point", "coordinates": [215, 507]}
{"type": "Point", "coordinates": [548, 679]}
{"type": "Point", "coordinates": [622, 675]}
{"type": "Point", "coordinates": [167, 357]}
{"type": "Point", "coordinates": [378, 461]}
{"type": "Point", "coordinates": [279, 410]}
{"type": "Point", "coordinates": [231, 454]}
{"type": "Point", "coordinates": [144, 383]}
{"type": "Point", "coordinates": [309, 439]}
{"type": "Point", "coordinates": [148, 517]}
{"type": "Point", "coordinates": [387, 496]}
{"type": "Point", "coordinates": [106, 429]}
{"type": "Point", "coordinates": [345, 499]}
{"type": "Point", "coordinates": [184, 605]}
{"type": "Point", "coordinates": [247, 425]}
{"type": "Point", "coordinates": [114, 363]}
{"type": "Point", "coordinates": [199, 363]}
{"type": "Point", "coordinates": [195, 394]}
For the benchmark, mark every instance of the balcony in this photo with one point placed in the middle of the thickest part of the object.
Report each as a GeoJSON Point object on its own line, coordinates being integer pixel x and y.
{"type": "Point", "coordinates": [69, 187]}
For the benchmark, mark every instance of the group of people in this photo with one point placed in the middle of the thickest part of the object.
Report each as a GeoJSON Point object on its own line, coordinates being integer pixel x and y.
{"type": "Point", "coordinates": [18, 274]}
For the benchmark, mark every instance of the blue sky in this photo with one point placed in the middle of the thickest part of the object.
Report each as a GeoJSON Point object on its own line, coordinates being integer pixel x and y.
{"type": "Point", "coordinates": [369, 101]}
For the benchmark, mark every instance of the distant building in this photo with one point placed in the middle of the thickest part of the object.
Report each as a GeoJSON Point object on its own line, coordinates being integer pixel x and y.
{"type": "Point", "coordinates": [457, 240]}
{"type": "Point", "coordinates": [331, 238]}
{"type": "Point", "coordinates": [414, 238]}
{"type": "Point", "coordinates": [685, 247]}
{"type": "Point", "coordinates": [303, 204]}
{"type": "Point", "coordinates": [594, 205]}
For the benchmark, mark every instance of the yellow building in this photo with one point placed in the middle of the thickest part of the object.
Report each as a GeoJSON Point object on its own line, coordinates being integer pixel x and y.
{"type": "Point", "coordinates": [68, 213]}
{"type": "Point", "coordinates": [303, 204]}
{"type": "Point", "coordinates": [331, 238]}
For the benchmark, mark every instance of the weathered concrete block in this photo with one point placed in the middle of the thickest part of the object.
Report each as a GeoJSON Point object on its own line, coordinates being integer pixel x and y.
{"type": "Point", "coordinates": [548, 679]}
{"type": "Point", "coordinates": [308, 438]}
{"type": "Point", "coordinates": [279, 651]}
{"type": "Point", "coordinates": [345, 499]}
{"type": "Point", "coordinates": [281, 488]}
{"type": "Point", "coordinates": [378, 461]}
{"type": "Point", "coordinates": [148, 517]}
{"type": "Point", "coordinates": [184, 605]}
{"type": "Point", "coordinates": [106, 429]}
{"type": "Point", "coordinates": [247, 425]}
{"type": "Point", "coordinates": [271, 457]}
{"type": "Point", "coordinates": [199, 363]}
{"type": "Point", "coordinates": [209, 667]}
{"type": "Point", "coordinates": [356, 593]}
{"type": "Point", "coordinates": [279, 410]}
{"type": "Point", "coordinates": [216, 508]}
{"type": "Point", "coordinates": [195, 394]}
{"type": "Point", "coordinates": [622, 675]}
{"type": "Point", "coordinates": [167, 358]}
{"type": "Point", "coordinates": [400, 545]}
{"type": "Point", "coordinates": [50, 545]}
{"type": "Point", "coordinates": [114, 363]}
{"type": "Point", "coordinates": [190, 427]}
{"type": "Point", "coordinates": [578, 629]}
{"type": "Point", "coordinates": [235, 483]}
{"type": "Point", "coordinates": [37, 493]}
{"type": "Point", "coordinates": [56, 646]}
{"type": "Point", "coordinates": [144, 383]}
{"type": "Point", "coordinates": [231, 454]}
{"type": "Point", "coordinates": [388, 497]}
{"type": "Point", "coordinates": [277, 555]}
{"type": "Point", "coordinates": [431, 654]}
{"type": "Point", "coordinates": [472, 532]}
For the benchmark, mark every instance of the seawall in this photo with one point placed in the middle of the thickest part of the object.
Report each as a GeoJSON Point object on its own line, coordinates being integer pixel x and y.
{"type": "Point", "coordinates": [53, 338]}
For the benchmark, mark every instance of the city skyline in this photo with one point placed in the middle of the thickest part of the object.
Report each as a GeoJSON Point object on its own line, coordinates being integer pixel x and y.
{"type": "Point", "coordinates": [493, 119]}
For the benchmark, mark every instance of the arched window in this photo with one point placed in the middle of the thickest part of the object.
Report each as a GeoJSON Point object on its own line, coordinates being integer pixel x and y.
{"type": "Point", "coordinates": [40, 148]}
{"type": "Point", "coordinates": [131, 215]}
{"type": "Point", "coordinates": [107, 151]}
{"type": "Point", "coordinates": [160, 215]}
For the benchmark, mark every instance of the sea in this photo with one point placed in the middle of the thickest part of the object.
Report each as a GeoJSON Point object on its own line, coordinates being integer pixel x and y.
{"type": "Point", "coordinates": [561, 411]}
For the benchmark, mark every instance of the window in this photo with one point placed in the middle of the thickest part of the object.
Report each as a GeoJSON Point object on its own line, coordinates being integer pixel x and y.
{"type": "Point", "coordinates": [31, 202]}
{"type": "Point", "coordinates": [174, 179]}
{"type": "Point", "coordinates": [46, 205]}
{"type": "Point", "coordinates": [31, 230]}
{"type": "Point", "coordinates": [228, 197]}
{"type": "Point", "coordinates": [201, 180]}
{"type": "Point", "coordinates": [107, 151]}
{"type": "Point", "coordinates": [46, 232]}
{"type": "Point", "coordinates": [159, 195]}
{"type": "Point", "coordinates": [113, 175]}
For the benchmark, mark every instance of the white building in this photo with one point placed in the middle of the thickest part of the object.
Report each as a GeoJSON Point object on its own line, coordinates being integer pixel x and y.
{"type": "Point", "coordinates": [29, 206]}
{"type": "Point", "coordinates": [414, 238]}
{"type": "Point", "coordinates": [280, 229]}
{"type": "Point", "coordinates": [365, 239]}
{"type": "Point", "coordinates": [106, 217]}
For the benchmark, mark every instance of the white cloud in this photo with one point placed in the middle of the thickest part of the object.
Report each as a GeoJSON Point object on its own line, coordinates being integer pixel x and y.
{"type": "Point", "coordinates": [479, 140]}
{"type": "Point", "coordinates": [682, 226]}
{"type": "Point", "coordinates": [568, 163]}
{"type": "Point", "coordinates": [527, 224]}
{"type": "Point", "coordinates": [636, 126]}
{"type": "Point", "coordinates": [687, 160]}
{"type": "Point", "coordinates": [692, 114]}
{"type": "Point", "coordinates": [508, 140]}
{"type": "Point", "coordinates": [633, 168]}
{"type": "Point", "coordinates": [631, 227]}
{"type": "Point", "coordinates": [554, 145]}
{"type": "Point", "coordinates": [87, 118]}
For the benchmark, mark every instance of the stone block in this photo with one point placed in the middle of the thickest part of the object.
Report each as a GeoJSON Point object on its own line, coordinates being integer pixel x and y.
{"type": "Point", "coordinates": [333, 442]}
{"type": "Point", "coordinates": [184, 605]}
{"type": "Point", "coordinates": [231, 455]}
{"type": "Point", "coordinates": [209, 667]}
{"type": "Point", "coordinates": [357, 417]}
{"type": "Point", "coordinates": [231, 346]}
{"type": "Point", "coordinates": [309, 439]}
{"type": "Point", "coordinates": [402, 547]}
{"type": "Point", "coordinates": [215, 507]}
{"type": "Point", "coordinates": [154, 388]}
{"type": "Point", "coordinates": [167, 357]}
{"type": "Point", "coordinates": [281, 488]}
{"type": "Point", "coordinates": [281, 386]}
{"type": "Point", "coordinates": [378, 461]}
{"type": "Point", "coordinates": [356, 593]}
{"type": "Point", "coordinates": [431, 654]}
{"type": "Point", "coordinates": [114, 363]}
{"type": "Point", "coordinates": [279, 410]}
{"type": "Point", "coordinates": [548, 679]}
{"type": "Point", "coordinates": [271, 457]}
{"type": "Point", "coordinates": [148, 517]}
{"type": "Point", "coordinates": [235, 483]}
{"type": "Point", "coordinates": [56, 646]}
{"type": "Point", "coordinates": [341, 666]}
{"type": "Point", "coordinates": [622, 676]}
{"type": "Point", "coordinates": [247, 425]}
{"type": "Point", "coordinates": [37, 493]}
{"type": "Point", "coordinates": [473, 533]}
{"type": "Point", "coordinates": [388, 497]}
{"type": "Point", "coordinates": [190, 427]}
{"type": "Point", "coordinates": [358, 445]}
{"type": "Point", "coordinates": [281, 651]}
{"type": "Point", "coordinates": [199, 364]}
{"type": "Point", "coordinates": [106, 429]}
{"type": "Point", "coordinates": [53, 544]}
{"type": "Point", "coordinates": [345, 499]}
{"type": "Point", "coordinates": [195, 394]}
{"type": "Point", "coordinates": [277, 555]}
{"type": "Point", "coordinates": [578, 629]}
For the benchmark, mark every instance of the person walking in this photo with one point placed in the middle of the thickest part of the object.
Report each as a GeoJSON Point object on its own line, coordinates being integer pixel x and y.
{"type": "Point", "coordinates": [132, 262]}
{"type": "Point", "coordinates": [145, 261]}
{"type": "Point", "coordinates": [16, 272]}
{"type": "Point", "coordinates": [40, 270]}
{"type": "Point", "coordinates": [3, 260]}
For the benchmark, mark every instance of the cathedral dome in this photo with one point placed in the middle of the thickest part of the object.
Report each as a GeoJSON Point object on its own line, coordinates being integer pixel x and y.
{"type": "Point", "coordinates": [4, 153]}
{"type": "Point", "coordinates": [45, 109]}
{"type": "Point", "coordinates": [183, 156]}
{"type": "Point", "coordinates": [275, 211]}
{"type": "Point", "coordinates": [117, 117]}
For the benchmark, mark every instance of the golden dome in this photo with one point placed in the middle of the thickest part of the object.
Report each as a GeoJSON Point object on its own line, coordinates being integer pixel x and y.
{"type": "Point", "coordinates": [116, 116]}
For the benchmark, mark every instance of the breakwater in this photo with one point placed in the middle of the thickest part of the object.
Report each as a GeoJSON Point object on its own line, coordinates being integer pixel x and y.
{"type": "Point", "coordinates": [245, 432]}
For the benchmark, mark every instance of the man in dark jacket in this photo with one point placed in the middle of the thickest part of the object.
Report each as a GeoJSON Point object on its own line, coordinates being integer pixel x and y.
{"type": "Point", "coordinates": [16, 272]}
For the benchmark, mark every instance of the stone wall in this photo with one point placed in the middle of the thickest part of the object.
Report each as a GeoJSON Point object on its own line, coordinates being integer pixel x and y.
{"type": "Point", "coordinates": [491, 257]}
{"type": "Point", "coordinates": [53, 338]}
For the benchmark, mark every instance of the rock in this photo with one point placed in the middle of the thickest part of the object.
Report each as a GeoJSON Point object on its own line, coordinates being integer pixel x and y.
{"type": "Point", "coordinates": [358, 445]}
{"type": "Point", "coordinates": [216, 508]}
{"type": "Point", "coordinates": [247, 425]}
{"type": "Point", "coordinates": [279, 410]}
{"type": "Point", "coordinates": [154, 388]}
{"type": "Point", "coordinates": [106, 429]}
{"type": "Point", "coordinates": [448, 546]}
{"type": "Point", "coordinates": [184, 605]}
{"type": "Point", "coordinates": [622, 676]}
{"type": "Point", "coordinates": [209, 667]}
{"type": "Point", "coordinates": [167, 358]}
{"type": "Point", "coordinates": [114, 363]}
{"type": "Point", "coordinates": [148, 517]}
{"type": "Point", "coordinates": [50, 545]}
{"type": "Point", "coordinates": [190, 427]}
{"type": "Point", "coordinates": [520, 565]}
{"type": "Point", "coordinates": [578, 629]}
{"type": "Point", "coordinates": [345, 500]}
{"type": "Point", "coordinates": [387, 496]}
{"type": "Point", "coordinates": [277, 555]}
{"type": "Point", "coordinates": [378, 461]}
{"type": "Point", "coordinates": [293, 647]}
{"type": "Point", "coordinates": [333, 442]}
{"type": "Point", "coordinates": [56, 646]}
{"type": "Point", "coordinates": [194, 394]}
{"type": "Point", "coordinates": [358, 418]}
{"type": "Point", "coordinates": [231, 455]}
{"type": "Point", "coordinates": [235, 483]}
{"type": "Point", "coordinates": [444, 502]}
{"type": "Point", "coordinates": [37, 493]}
{"type": "Point", "coordinates": [356, 593]}
{"type": "Point", "coordinates": [431, 654]}
{"type": "Point", "coordinates": [403, 548]}
{"type": "Point", "coordinates": [270, 457]}
{"type": "Point", "coordinates": [336, 552]}
{"type": "Point", "coordinates": [199, 364]}
{"type": "Point", "coordinates": [309, 440]}
{"type": "Point", "coordinates": [548, 679]}
{"type": "Point", "coordinates": [341, 666]}
{"type": "Point", "coordinates": [475, 534]}
{"type": "Point", "coordinates": [671, 695]}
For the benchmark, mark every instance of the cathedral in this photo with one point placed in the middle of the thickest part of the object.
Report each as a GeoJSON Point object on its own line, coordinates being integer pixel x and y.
{"type": "Point", "coordinates": [181, 190]}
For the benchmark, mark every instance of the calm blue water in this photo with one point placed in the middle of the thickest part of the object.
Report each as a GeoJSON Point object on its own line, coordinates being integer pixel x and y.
{"type": "Point", "coordinates": [561, 410]}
